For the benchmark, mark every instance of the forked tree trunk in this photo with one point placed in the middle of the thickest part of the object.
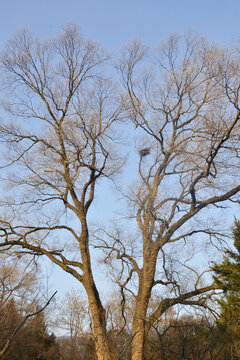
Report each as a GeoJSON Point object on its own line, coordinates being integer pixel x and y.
{"type": "Point", "coordinates": [102, 347]}
{"type": "Point", "coordinates": [139, 331]}
{"type": "Point", "coordinates": [101, 341]}
{"type": "Point", "coordinates": [139, 328]}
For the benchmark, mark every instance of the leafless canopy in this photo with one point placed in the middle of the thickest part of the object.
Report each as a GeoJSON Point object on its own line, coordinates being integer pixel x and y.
{"type": "Point", "coordinates": [182, 101]}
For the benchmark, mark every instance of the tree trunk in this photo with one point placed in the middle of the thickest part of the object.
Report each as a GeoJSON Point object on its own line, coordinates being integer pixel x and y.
{"type": "Point", "coordinates": [146, 279]}
{"type": "Point", "coordinates": [139, 329]}
{"type": "Point", "coordinates": [138, 340]}
{"type": "Point", "coordinates": [102, 347]}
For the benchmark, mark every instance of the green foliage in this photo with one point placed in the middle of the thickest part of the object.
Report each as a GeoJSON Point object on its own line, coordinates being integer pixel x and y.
{"type": "Point", "coordinates": [227, 274]}
{"type": "Point", "coordinates": [227, 277]}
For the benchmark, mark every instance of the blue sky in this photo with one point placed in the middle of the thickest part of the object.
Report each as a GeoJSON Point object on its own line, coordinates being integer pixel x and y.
{"type": "Point", "coordinates": [114, 23]}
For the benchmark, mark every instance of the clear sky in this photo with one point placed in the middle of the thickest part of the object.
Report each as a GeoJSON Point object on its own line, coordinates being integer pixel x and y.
{"type": "Point", "coordinates": [114, 22]}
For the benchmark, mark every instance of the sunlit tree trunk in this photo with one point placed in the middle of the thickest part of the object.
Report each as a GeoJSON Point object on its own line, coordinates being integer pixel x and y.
{"type": "Point", "coordinates": [138, 333]}
{"type": "Point", "coordinates": [146, 279]}
{"type": "Point", "coordinates": [98, 317]}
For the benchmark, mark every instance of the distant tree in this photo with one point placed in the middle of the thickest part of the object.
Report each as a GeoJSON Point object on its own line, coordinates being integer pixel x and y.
{"type": "Point", "coordinates": [23, 336]}
{"type": "Point", "coordinates": [17, 280]}
{"type": "Point", "coordinates": [82, 349]}
{"type": "Point", "coordinates": [9, 320]}
{"type": "Point", "coordinates": [74, 319]}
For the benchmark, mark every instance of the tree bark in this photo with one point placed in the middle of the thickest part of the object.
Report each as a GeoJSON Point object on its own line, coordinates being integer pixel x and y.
{"type": "Point", "coordinates": [139, 329]}
{"type": "Point", "coordinates": [102, 347]}
{"type": "Point", "coordinates": [138, 339]}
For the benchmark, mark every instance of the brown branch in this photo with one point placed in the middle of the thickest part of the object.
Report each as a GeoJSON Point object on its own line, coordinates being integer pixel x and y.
{"type": "Point", "coordinates": [181, 299]}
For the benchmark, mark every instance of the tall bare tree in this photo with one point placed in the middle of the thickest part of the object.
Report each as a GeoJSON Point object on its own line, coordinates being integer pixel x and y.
{"type": "Point", "coordinates": [184, 103]}
{"type": "Point", "coordinates": [58, 139]}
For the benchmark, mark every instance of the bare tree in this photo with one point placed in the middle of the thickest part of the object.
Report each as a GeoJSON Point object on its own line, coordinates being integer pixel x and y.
{"type": "Point", "coordinates": [17, 280]}
{"type": "Point", "coordinates": [58, 140]}
{"type": "Point", "coordinates": [184, 105]}
{"type": "Point", "coordinates": [75, 320]}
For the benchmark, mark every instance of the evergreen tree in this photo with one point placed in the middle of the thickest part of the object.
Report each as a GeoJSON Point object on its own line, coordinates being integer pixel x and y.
{"type": "Point", "coordinates": [229, 282]}
{"type": "Point", "coordinates": [32, 341]}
